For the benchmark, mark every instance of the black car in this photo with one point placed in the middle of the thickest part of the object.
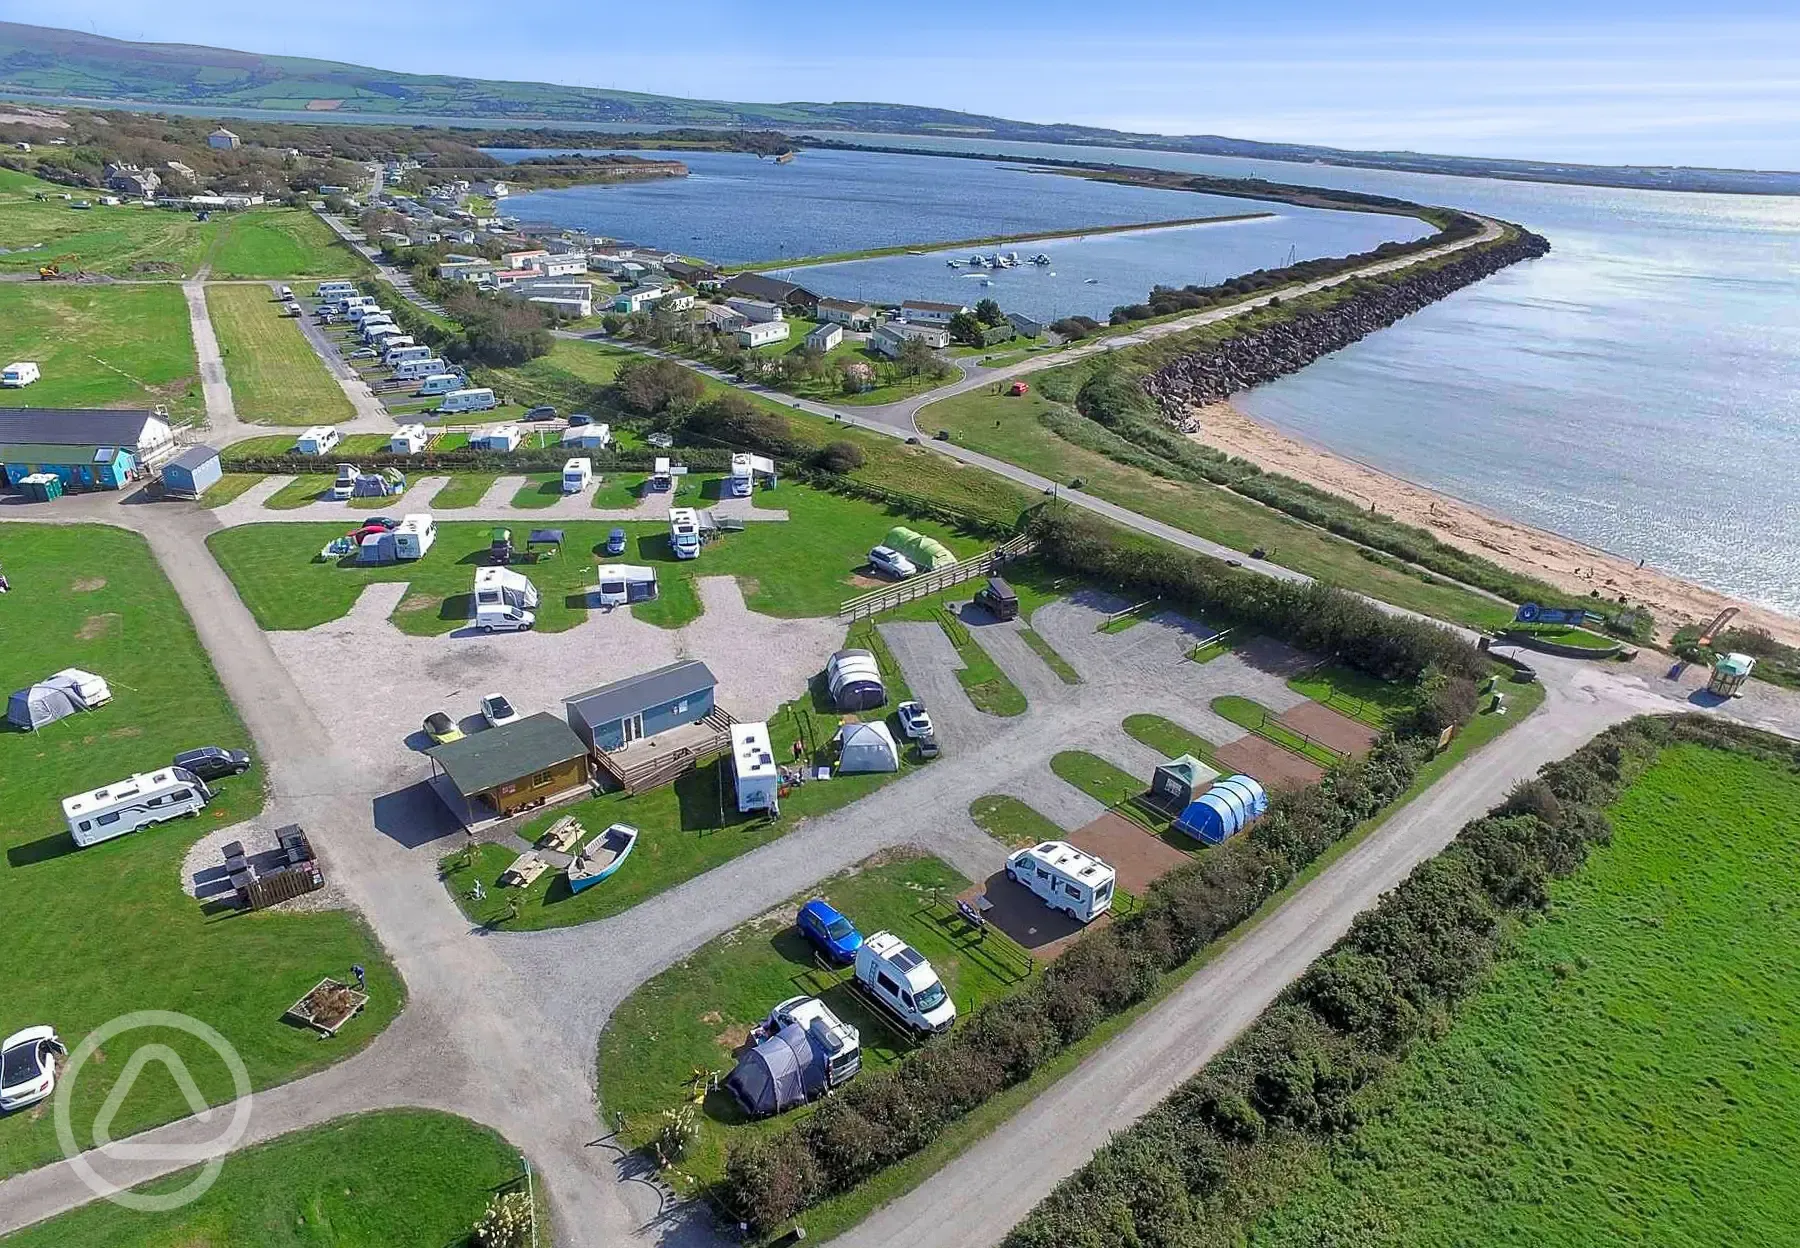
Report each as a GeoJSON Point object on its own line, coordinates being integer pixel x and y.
{"type": "Point", "coordinates": [210, 762]}
{"type": "Point", "coordinates": [544, 412]}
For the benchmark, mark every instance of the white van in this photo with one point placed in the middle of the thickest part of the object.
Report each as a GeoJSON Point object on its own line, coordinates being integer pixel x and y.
{"type": "Point", "coordinates": [317, 441]}
{"type": "Point", "coordinates": [415, 535]}
{"type": "Point", "coordinates": [344, 488]}
{"type": "Point", "coordinates": [440, 383]}
{"type": "Point", "coordinates": [287, 293]}
{"type": "Point", "coordinates": [415, 370]}
{"type": "Point", "coordinates": [133, 803]}
{"type": "Point", "coordinates": [18, 375]}
{"type": "Point", "coordinates": [1067, 879]}
{"type": "Point", "coordinates": [479, 399]}
{"type": "Point", "coordinates": [578, 474]}
{"type": "Point", "coordinates": [684, 532]}
{"type": "Point", "coordinates": [401, 349]}
{"type": "Point", "coordinates": [504, 599]}
{"type": "Point", "coordinates": [898, 978]}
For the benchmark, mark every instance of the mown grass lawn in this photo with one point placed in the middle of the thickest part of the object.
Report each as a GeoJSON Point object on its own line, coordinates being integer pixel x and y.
{"type": "Point", "coordinates": [1378, 703]}
{"type": "Point", "coordinates": [1169, 738]}
{"type": "Point", "coordinates": [407, 1178]}
{"type": "Point", "coordinates": [1119, 791]}
{"type": "Point", "coordinates": [230, 485]}
{"type": "Point", "coordinates": [107, 929]}
{"type": "Point", "coordinates": [276, 377]}
{"type": "Point", "coordinates": [101, 346]}
{"type": "Point", "coordinates": [696, 1014]}
{"type": "Point", "coordinates": [464, 489]}
{"type": "Point", "coordinates": [1627, 1073]}
{"type": "Point", "coordinates": [1012, 822]}
{"type": "Point", "coordinates": [280, 243]}
{"type": "Point", "coordinates": [124, 241]}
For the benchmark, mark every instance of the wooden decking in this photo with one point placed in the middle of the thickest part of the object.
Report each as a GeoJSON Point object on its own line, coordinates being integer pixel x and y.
{"type": "Point", "coordinates": [656, 761]}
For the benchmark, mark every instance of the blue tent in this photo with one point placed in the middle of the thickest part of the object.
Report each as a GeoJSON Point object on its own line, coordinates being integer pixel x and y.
{"type": "Point", "coordinates": [1223, 810]}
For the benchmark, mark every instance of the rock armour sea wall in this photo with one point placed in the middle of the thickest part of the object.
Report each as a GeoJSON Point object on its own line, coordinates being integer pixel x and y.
{"type": "Point", "coordinates": [1262, 355]}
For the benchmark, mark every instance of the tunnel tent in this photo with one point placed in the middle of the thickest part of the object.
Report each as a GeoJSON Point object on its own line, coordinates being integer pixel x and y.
{"type": "Point", "coordinates": [1255, 798]}
{"type": "Point", "coordinates": [865, 748]}
{"type": "Point", "coordinates": [781, 1072]}
{"type": "Point", "coordinates": [927, 553]}
{"type": "Point", "coordinates": [1223, 810]}
{"type": "Point", "coordinates": [853, 678]}
{"type": "Point", "coordinates": [32, 708]}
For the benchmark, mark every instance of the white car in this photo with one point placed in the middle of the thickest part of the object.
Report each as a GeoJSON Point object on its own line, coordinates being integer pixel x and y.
{"type": "Point", "coordinates": [887, 559]}
{"type": "Point", "coordinates": [497, 710]}
{"type": "Point", "coordinates": [915, 722]}
{"type": "Point", "coordinates": [28, 1067]}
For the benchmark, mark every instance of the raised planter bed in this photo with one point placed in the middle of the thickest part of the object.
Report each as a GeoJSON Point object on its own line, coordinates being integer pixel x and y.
{"type": "Point", "coordinates": [328, 1006]}
{"type": "Point", "coordinates": [1533, 641]}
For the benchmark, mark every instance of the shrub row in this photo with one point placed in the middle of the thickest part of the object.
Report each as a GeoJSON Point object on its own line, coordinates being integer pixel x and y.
{"type": "Point", "coordinates": [885, 1116]}
{"type": "Point", "coordinates": [1387, 986]}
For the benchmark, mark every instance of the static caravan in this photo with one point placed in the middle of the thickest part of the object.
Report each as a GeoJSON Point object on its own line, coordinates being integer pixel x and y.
{"type": "Point", "coordinates": [1066, 879]}
{"type": "Point", "coordinates": [415, 535]}
{"type": "Point", "coordinates": [477, 399]}
{"type": "Point", "coordinates": [588, 437]}
{"type": "Point", "coordinates": [440, 383]}
{"type": "Point", "coordinates": [684, 532]}
{"type": "Point", "coordinates": [419, 369]}
{"type": "Point", "coordinates": [17, 375]}
{"type": "Point", "coordinates": [133, 803]}
{"type": "Point", "coordinates": [504, 599]}
{"type": "Point", "coordinates": [755, 776]}
{"type": "Point", "coordinates": [398, 352]}
{"type": "Point", "coordinates": [409, 439]}
{"type": "Point", "coordinates": [318, 440]}
{"type": "Point", "coordinates": [578, 474]}
{"type": "Point", "coordinates": [499, 438]}
{"type": "Point", "coordinates": [622, 583]}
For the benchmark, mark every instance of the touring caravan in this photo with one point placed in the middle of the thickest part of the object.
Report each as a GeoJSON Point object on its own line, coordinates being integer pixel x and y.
{"type": "Point", "coordinates": [399, 352]}
{"type": "Point", "coordinates": [684, 532]}
{"type": "Point", "coordinates": [754, 774]}
{"type": "Point", "coordinates": [499, 438]}
{"type": "Point", "coordinates": [366, 310]}
{"type": "Point", "coordinates": [18, 375]}
{"type": "Point", "coordinates": [334, 290]}
{"type": "Point", "coordinates": [318, 440]}
{"type": "Point", "coordinates": [1065, 878]}
{"type": "Point", "coordinates": [578, 474]}
{"type": "Point", "coordinates": [133, 803]}
{"type": "Point", "coordinates": [504, 599]}
{"type": "Point", "coordinates": [621, 583]}
{"type": "Point", "coordinates": [898, 978]}
{"type": "Point", "coordinates": [415, 535]}
{"type": "Point", "coordinates": [418, 369]}
{"type": "Point", "coordinates": [409, 440]}
{"type": "Point", "coordinates": [440, 383]}
{"type": "Point", "coordinates": [477, 399]}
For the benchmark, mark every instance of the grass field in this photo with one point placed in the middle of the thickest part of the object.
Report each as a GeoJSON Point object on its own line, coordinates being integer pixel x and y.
{"type": "Point", "coordinates": [230, 485]}
{"type": "Point", "coordinates": [1378, 703]}
{"type": "Point", "coordinates": [398, 1178]}
{"type": "Point", "coordinates": [798, 567]}
{"type": "Point", "coordinates": [1096, 777]}
{"type": "Point", "coordinates": [464, 489]}
{"type": "Point", "coordinates": [279, 243]}
{"type": "Point", "coordinates": [92, 597]}
{"type": "Point", "coordinates": [1627, 1074]}
{"type": "Point", "coordinates": [694, 1015]}
{"type": "Point", "coordinates": [1170, 739]}
{"type": "Point", "coordinates": [101, 346]}
{"type": "Point", "coordinates": [276, 377]}
{"type": "Point", "coordinates": [1011, 821]}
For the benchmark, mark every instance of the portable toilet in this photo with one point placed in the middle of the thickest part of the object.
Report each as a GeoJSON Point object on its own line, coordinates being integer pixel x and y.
{"type": "Point", "coordinates": [1729, 673]}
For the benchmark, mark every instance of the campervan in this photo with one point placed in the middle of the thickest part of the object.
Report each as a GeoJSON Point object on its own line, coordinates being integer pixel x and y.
{"type": "Point", "coordinates": [1065, 878]}
{"type": "Point", "coordinates": [440, 383]}
{"type": "Point", "coordinates": [286, 293]}
{"type": "Point", "coordinates": [578, 474]}
{"type": "Point", "coordinates": [344, 487]}
{"type": "Point", "coordinates": [836, 1041]}
{"type": "Point", "coordinates": [739, 483]}
{"type": "Point", "coordinates": [317, 440]}
{"type": "Point", "coordinates": [479, 399]}
{"type": "Point", "coordinates": [18, 375]}
{"type": "Point", "coordinates": [133, 803]}
{"type": "Point", "coordinates": [415, 535]}
{"type": "Point", "coordinates": [899, 979]}
{"type": "Point", "coordinates": [684, 532]}
{"type": "Point", "coordinates": [621, 583]}
{"type": "Point", "coordinates": [504, 599]}
{"type": "Point", "coordinates": [416, 370]}
{"type": "Point", "coordinates": [662, 479]}
{"type": "Point", "coordinates": [399, 352]}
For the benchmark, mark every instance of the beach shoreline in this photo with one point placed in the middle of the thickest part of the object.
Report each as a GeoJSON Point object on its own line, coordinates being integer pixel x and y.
{"type": "Point", "coordinates": [1573, 566]}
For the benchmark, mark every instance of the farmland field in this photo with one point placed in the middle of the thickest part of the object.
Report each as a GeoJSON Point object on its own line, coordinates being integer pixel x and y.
{"type": "Point", "coordinates": [101, 346]}
{"type": "Point", "coordinates": [278, 243]}
{"type": "Point", "coordinates": [91, 596]}
{"type": "Point", "coordinates": [1628, 1073]}
{"type": "Point", "coordinates": [275, 375]}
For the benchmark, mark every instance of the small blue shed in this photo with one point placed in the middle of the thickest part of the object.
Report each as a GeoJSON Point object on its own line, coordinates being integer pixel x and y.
{"type": "Point", "coordinates": [613, 716]}
{"type": "Point", "coordinates": [190, 473]}
{"type": "Point", "coordinates": [1223, 810]}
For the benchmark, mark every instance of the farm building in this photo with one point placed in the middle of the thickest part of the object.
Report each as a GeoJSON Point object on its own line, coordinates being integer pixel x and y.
{"type": "Point", "coordinates": [145, 436]}
{"type": "Point", "coordinates": [507, 769]}
{"type": "Point", "coordinates": [1178, 780]}
{"type": "Point", "coordinates": [760, 286]}
{"type": "Point", "coordinates": [190, 473]}
{"type": "Point", "coordinates": [1223, 810]}
{"type": "Point", "coordinates": [867, 747]}
{"type": "Point", "coordinates": [613, 716]}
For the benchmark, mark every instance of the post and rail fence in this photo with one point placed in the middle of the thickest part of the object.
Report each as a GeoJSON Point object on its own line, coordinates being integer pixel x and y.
{"type": "Point", "coordinates": [928, 583]}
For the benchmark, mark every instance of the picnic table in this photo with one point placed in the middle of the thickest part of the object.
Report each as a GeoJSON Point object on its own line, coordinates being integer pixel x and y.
{"type": "Point", "coordinates": [524, 869]}
{"type": "Point", "coordinates": [563, 835]}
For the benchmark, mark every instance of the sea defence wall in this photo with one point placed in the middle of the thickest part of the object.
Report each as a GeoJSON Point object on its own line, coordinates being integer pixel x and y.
{"type": "Point", "coordinates": [1260, 355]}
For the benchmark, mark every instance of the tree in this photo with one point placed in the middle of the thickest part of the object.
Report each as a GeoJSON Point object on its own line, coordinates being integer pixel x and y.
{"type": "Point", "coordinates": [840, 457]}
{"type": "Point", "coordinates": [649, 386]}
{"type": "Point", "coordinates": [915, 357]}
{"type": "Point", "coordinates": [733, 419]}
{"type": "Point", "coordinates": [964, 328]}
{"type": "Point", "coordinates": [988, 313]}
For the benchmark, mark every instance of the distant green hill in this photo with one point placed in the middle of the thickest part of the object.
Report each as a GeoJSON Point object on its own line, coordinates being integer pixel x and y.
{"type": "Point", "coordinates": [44, 61]}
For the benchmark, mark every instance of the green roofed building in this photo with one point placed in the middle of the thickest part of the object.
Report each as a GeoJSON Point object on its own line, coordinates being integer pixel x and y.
{"type": "Point", "coordinates": [501, 771]}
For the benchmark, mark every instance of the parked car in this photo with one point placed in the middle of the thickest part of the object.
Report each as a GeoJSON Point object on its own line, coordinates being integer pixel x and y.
{"type": "Point", "coordinates": [661, 441]}
{"type": "Point", "coordinates": [497, 710]}
{"type": "Point", "coordinates": [615, 542]}
{"type": "Point", "coordinates": [915, 722]}
{"type": "Point", "coordinates": [28, 1067]}
{"type": "Point", "coordinates": [442, 729]}
{"type": "Point", "coordinates": [210, 762]}
{"type": "Point", "coordinates": [363, 353]}
{"type": "Point", "coordinates": [828, 931]}
{"type": "Point", "coordinates": [542, 412]}
{"type": "Point", "coordinates": [887, 559]}
{"type": "Point", "coordinates": [928, 746]}
{"type": "Point", "coordinates": [382, 522]}
{"type": "Point", "coordinates": [579, 419]}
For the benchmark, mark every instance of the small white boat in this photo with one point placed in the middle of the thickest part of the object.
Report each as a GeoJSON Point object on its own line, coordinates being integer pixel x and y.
{"type": "Point", "coordinates": [987, 281]}
{"type": "Point", "coordinates": [1092, 281]}
{"type": "Point", "coordinates": [955, 264]}
{"type": "Point", "coordinates": [1041, 258]}
{"type": "Point", "coordinates": [601, 856]}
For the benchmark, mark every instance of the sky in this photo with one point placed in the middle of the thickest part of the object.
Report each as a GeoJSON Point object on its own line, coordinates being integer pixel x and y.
{"type": "Point", "coordinates": [1600, 81]}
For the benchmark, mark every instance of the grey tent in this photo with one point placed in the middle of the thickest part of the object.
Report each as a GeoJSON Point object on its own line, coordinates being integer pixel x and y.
{"type": "Point", "coordinates": [32, 708]}
{"type": "Point", "coordinates": [778, 1074]}
{"type": "Point", "coordinates": [377, 548]}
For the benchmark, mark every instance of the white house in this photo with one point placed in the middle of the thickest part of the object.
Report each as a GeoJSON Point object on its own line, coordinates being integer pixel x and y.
{"type": "Point", "coordinates": [574, 299]}
{"type": "Point", "coordinates": [762, 333]}
{"type": "Point", "coordinates": [890, 336]}
{"type": "Point", "coordinates": [924, 312]}
{"type": "Point", "coordinates": [572, 264]}
{"type": "Point", "coordinates": [755, 310]}
{"type": "Point", "coordinates": [637, 299]}
{"type": "Point", "coordinates": [848, 313]}
{"type": "Point", "coordinates": [825, 337]}
{"type": "Point", "coordinates": [525, 259]}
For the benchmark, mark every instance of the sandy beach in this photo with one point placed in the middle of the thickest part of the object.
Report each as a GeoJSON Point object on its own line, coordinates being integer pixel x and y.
{"type": "Point", "coordinates": [1559, 560]}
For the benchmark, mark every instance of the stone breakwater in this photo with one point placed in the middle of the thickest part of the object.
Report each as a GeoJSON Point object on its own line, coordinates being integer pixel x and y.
{"type": "Point", "coordinates": [1261, 355]}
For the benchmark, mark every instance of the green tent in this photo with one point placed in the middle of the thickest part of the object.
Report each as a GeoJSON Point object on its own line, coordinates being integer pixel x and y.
{"type": "Point", "coordinates": [926, 552]}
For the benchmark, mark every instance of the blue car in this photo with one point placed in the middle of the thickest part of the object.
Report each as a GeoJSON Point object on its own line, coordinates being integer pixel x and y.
{"type": "Point", "coordinates": [830, 932]}
{"type": "Point", "coordinates": [615, 542]}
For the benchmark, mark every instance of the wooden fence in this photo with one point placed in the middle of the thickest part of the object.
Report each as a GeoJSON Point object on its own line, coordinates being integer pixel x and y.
{"type": "Point", "coordinates": [928, 583]}
{"type": "Point", "coordinates": [663, 769]}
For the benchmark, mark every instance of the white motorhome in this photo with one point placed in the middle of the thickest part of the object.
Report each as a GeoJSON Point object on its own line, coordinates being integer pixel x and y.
{"type": "Point", "coordinates": [899, 979]}
{"type": "Point", "coordinates": [504, 599]}
{"type": "Point", "coordinates": [684, 532]}
{"type": "Point", "coordinates": [1065, 878]}
{"type": "Point", "coordinates": [400, 350]}
{"type": "Point", "coordinates": [440, 383]}
{"type": "Point", "coordinates": [417, 370]}
{"type": "Point", "coordinates": [344, 488]}
{"type": "Point", "coordinates": [318, 440]}
{"type": "Point", "coordinates": [18, 375]}
{"type": "Point", "coordinates": [836, 1041]}
{"type": "Point", "coordinates": [754, 773]}
{"type": "Point", "coordinates": [578, 474]}
{"type": "Point", "coordinates": [739, 483]}
{"type": "Point", "coordinates": [133, 803]}
{"type": "Point", "coordinates": [478, 399]}
{"type": "Point", "coordinates": [415, 535]}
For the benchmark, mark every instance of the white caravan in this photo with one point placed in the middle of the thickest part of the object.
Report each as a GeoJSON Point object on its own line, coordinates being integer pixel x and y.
{"type": "Point", "coordinates": [133, 803]}
{"type": "Point", "coordinates": [334, 290]}
{"type": "Point", "coordinates": [415, 535]}
{"type": "Point", "coordinates": [18, 375]}
{"type": "Point", "coordinates": [739, 483]}
{"type": "Point", "coordinates": [578, 474]}
{"type": "Point", "coordinates": [477, 399]}
{"type": "Point", "coordinates": [319, 440]}
{"type": "Point", "coordinates": [1067, 879]}
{"type": "Point", "coordinates": [440, 383]}
{"type": "Point", "coordinates": [504, 599]}
{"type": "Point", "coordinates": [753, 771]}
{"type": "Point", "coordinates": [899, 979]}
{"type": "Point", "coordinates": [684, 532]}
{"type": "Point", "coordinates": [399, 352]}
{"type": "Point", "coordinates": [418, 370]}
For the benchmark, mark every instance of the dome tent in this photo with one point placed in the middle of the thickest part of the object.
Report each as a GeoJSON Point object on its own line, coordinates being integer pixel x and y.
{"type": "Point", "coordinates": [867, 747]}
{"type": "Point", "coordinates": [41, 704]}
{"type": "Point", "coordinates": [778, 1074]}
